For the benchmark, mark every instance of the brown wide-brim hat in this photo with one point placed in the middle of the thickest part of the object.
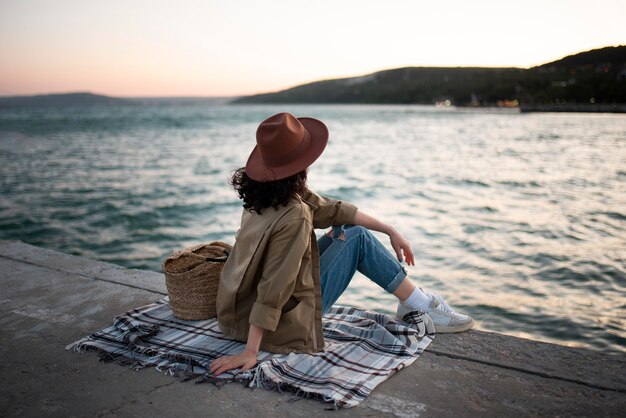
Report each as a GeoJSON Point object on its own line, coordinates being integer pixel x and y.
{"type": "Point", "coordinates": [285, 146]}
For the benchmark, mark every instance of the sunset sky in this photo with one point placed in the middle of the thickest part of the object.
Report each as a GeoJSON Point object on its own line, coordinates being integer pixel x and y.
{"type": "Point", "coordinates": [235, 47]}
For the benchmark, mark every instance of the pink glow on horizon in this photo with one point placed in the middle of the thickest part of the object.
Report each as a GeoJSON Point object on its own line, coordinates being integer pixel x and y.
{"type": "Point", "coordinates": [211, 48]}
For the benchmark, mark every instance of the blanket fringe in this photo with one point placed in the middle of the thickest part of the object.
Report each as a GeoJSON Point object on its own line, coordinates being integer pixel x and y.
{"type": "Point", "coordinates": [261, 380]}
{"type": "Point", "coordinates": [78, 346]}
{"type": "Point", "coordinates": [182, 367]}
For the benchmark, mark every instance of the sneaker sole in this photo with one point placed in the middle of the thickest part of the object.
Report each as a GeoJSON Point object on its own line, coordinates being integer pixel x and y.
{"type": "Point", "coordinates": [451, 330]}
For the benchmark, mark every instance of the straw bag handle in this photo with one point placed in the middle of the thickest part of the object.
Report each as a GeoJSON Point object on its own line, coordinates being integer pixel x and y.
{"type": "Point", "coordinates": [204, 258]}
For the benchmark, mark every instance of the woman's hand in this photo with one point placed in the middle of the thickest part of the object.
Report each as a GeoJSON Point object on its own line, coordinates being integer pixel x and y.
{"type": "Point", "coordinates": [402, 247]}
{"type": "Point", "coordinates": [244, 361]}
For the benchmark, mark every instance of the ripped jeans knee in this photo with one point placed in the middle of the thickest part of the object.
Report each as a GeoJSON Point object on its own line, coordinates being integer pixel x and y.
{"type": "Point", "coordinates": [345, 249]}
{"type": "Point", "coordinates": [337, 232]}
{"type": "Point", "coordinates": [341, 231]}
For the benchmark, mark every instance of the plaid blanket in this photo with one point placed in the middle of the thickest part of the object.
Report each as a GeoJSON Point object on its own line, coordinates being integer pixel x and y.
{"type": "Point", "coordinates": [363, 349]}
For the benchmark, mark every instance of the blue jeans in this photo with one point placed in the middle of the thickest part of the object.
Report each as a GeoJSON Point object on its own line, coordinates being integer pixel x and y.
{"type": "Point", "coordinates": [353, 248]}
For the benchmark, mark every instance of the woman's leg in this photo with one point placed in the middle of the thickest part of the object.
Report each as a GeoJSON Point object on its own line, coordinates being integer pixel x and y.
{"type": "Point", "coordinates": [350, 248]}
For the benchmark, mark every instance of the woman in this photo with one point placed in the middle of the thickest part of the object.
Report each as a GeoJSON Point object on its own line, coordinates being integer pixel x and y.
{"type": "Point", "coordinates": [279, 279]}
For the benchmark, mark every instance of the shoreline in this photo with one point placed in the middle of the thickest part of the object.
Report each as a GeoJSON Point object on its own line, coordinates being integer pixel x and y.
{"type": "Point", "coordinates": [617, 108]}
{"type": "Point", "coordinates": [575, 108]}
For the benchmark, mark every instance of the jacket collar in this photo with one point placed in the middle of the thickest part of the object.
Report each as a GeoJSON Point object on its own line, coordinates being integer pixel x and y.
{"type": "Point", "coordinates": [313, 206]}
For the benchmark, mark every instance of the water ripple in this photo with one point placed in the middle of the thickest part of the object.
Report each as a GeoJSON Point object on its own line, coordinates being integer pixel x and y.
{"type": "Point", "coordinates": [515, 219]}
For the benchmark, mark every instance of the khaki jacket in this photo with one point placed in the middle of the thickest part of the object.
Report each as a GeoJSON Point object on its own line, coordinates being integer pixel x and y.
{"type": "Point", "coordinates": [272, 276]}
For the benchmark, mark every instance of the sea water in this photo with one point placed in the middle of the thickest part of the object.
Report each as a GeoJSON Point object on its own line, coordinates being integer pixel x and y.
{"type": "Point", "coordinates": [516, 219]}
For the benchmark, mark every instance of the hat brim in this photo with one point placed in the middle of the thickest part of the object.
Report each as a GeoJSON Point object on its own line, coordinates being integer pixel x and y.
{"type": "Point", "coordinates": [258, 171]}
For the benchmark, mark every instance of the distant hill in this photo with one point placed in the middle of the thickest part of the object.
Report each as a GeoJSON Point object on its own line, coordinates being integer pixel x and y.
{"type": "Point", "coordinates": [63, 99]}
{"type": "Point", "coordinates": [596, 76]}
{"type": "Point", "coordinates": [609, 55]}
{"type": "Point", "coordinates": [425, 85]}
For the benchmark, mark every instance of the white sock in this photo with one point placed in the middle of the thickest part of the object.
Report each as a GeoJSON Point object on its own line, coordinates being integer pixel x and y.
{"type": "Point", "coordinates": [417, 300]}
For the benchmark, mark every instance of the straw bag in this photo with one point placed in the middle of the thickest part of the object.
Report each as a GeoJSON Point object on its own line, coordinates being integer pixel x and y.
{"type": "Point", "coordinates": [192, 276]}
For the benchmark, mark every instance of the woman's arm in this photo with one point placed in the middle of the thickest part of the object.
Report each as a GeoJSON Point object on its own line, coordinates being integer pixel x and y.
{"type": "Point", "coordinates": [244, 360]}
{"type": "Point", "coordinates": [400, 244]}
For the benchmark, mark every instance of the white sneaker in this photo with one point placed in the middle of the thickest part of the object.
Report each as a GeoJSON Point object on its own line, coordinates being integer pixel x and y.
{"type": "Point", "coordinates": [444, 317]}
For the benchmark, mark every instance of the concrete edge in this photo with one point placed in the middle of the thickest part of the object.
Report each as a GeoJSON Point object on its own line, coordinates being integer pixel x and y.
{"type": "Point", "coordinates": [92, 269]}
{"type": "Point", "coordinates": [574, 365]}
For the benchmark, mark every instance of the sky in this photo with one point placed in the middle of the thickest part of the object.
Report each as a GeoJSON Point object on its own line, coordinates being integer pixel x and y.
{"type": "Point", "coordinates": [233, 47]}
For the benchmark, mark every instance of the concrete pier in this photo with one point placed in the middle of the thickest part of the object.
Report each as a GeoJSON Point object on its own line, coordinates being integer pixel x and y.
{"type": "Point", "coordinates": [50, 299]}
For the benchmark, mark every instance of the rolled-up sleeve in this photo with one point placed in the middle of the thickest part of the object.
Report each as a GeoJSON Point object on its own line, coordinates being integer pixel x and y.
{"type": "Point", "coordinates": [330, 212]}
{"type": "Point", "coordinates": [281, 266]}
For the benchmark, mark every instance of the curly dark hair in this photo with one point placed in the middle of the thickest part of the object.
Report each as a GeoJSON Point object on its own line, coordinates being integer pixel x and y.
{"type": "Point", "coordinates": [257, 196]}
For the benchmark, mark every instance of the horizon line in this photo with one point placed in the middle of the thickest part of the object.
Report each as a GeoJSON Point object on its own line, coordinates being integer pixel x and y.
{"type": "Point", "coordinates": [177, 96]}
